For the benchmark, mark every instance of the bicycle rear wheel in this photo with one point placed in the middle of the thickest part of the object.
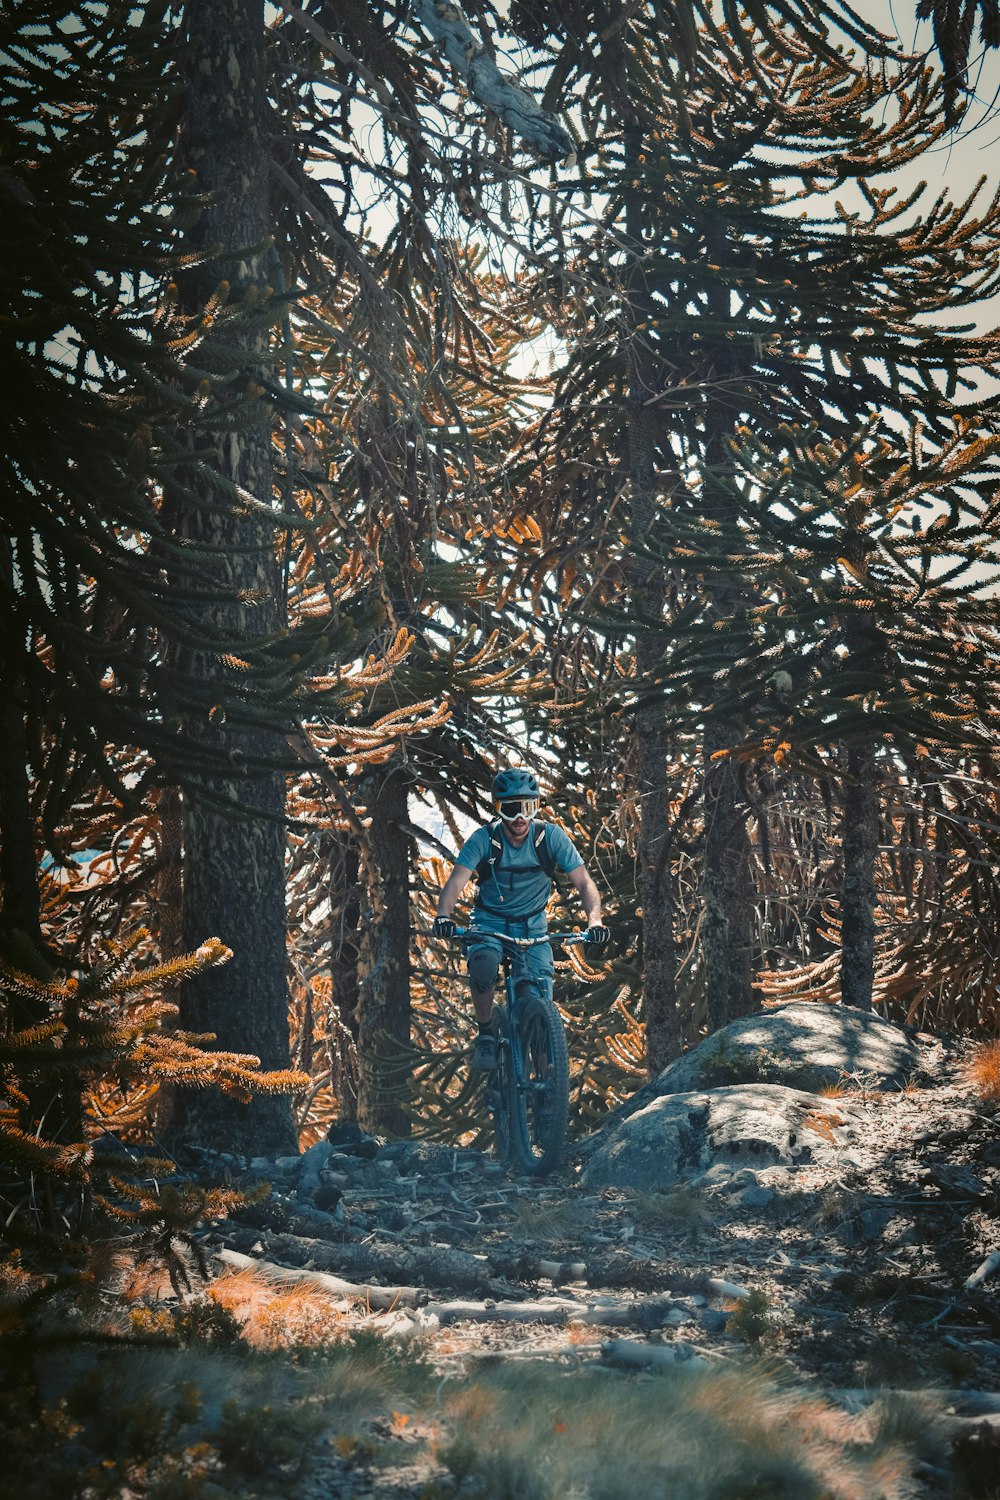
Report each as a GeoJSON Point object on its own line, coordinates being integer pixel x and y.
{"type": "Point", "coordinates": [540, 1106]}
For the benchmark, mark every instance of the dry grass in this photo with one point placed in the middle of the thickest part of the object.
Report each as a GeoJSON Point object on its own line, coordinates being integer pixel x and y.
{"type": "Point", "coordinates": [684, 1211]}
{"type": "Point", "coordinates": [983, 1071]}
{"type": "Point", "coordinates": [549, 1222]}
{"type": "Point", "coordinates": [160, 1423]}
{"type": "Point", "coordinates": [540, 1434]}
{"type": "Point", "coordinates": [280, 1317]}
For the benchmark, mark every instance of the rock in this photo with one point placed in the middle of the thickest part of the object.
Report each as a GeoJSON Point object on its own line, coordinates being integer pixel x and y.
{"type": "Point", "coordinates": [424, 1158]}
{"type": "Point", "coordinates": [803, 1045]}
{"type": "Point", "coordinates": [316, 1158]}
{"type": "Point", "coordinates": [312, 1163]}
{"type": "Point", "coordinates": [326, 1197]}
{"type": "Point", "coordinates": [681, 1136]}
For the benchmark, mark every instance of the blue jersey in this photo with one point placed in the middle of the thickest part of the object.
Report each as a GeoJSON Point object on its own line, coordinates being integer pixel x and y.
{"type": "Point", "coordinates": [517, 888]}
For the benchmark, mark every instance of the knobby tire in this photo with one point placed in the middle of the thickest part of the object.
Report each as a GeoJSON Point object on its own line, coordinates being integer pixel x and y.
{"type": "Point", "coordinates": [500, 1084]}
{"type": "Point", "coordinates": [540, 1109]}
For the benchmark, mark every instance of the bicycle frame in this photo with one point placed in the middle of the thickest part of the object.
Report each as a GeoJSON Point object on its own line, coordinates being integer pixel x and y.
{"type": "Point", "coordinates": [528, 1098]}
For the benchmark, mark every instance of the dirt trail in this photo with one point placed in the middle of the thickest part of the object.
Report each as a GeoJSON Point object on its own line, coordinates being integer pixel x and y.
{"type": "Point", "coordinates": [857, 1280]}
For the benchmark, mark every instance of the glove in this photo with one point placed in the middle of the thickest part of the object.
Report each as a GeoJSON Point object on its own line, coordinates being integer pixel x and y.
{"type": "Point", "coordinates": [444, 927]}
{"type": "Point", "coordinates": [598, 935]}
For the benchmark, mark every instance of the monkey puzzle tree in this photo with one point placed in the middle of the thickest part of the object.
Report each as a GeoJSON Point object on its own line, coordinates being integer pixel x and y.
{"type": "Point", "coordinates": [744, 295]}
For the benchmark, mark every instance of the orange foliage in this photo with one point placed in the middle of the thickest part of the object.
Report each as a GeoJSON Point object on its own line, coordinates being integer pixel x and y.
{"type": "Point", "coordinates": [983, 1071]}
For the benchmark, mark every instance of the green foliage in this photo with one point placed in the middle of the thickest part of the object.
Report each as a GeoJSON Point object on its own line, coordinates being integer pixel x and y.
{"type": "Point", "coordinates": [63, 1196]}
{"type": "Point", "coordinates": [253, 1439]}
{"type": "Point", "coordinates": [750, 1319]}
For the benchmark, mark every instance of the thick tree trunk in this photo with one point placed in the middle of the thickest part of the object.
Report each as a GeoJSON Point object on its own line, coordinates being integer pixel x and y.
{"type": "Point", "coordinates": [659, 974]}
{"type": "Point", "coordinates": [18, 858]}
{"type": "Point", "coordinates": [857, 894]}
{"type": "Point", "coordinates": [727, 890]}
{"type": "Point", "coordinates": [659, 977]}
{"type": "Point", "coordinates": [384, 992]}
{"type": "Point", "coordinates": [728, 893]}
{"type": "Point", "coordinates": [170, 882]}
{"type": "Point", "coordinates": [345, 919]}
{"type": "Point", "coordinates": [234, 857]}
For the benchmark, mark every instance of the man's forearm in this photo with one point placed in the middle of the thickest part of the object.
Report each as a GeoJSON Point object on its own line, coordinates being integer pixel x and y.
{"type": "Point", "coordinates": [452, 889]}
{"type": "Point", "coordinates": [590, 898]}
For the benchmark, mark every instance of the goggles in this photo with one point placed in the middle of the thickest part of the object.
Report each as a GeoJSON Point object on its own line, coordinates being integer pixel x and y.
{"type": "Point", "coordinates": [520, 807]}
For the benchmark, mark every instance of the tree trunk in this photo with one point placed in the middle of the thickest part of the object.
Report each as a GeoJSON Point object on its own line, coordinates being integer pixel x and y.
{"type": "Point", "coordinates": [170, 881]}
{"type": "Point", "coordinates": [234, 840]}
{"type": "Point", "coordinates": [18, 858]}
{"type": "Point", "coordinates": [659, 976]}
{"type": "Point", "coordinates": [727, 889]}
{"type": "Point", "coordinates": [728, 893]}
{"type": "Point", "coordinates": [650, 744]}
{"type": "Point", "coordinates": [384, 992]}
{"type": "Point", "coordinates": [345, 919]}
{"type": "Point", "coordinates": [857, 893]}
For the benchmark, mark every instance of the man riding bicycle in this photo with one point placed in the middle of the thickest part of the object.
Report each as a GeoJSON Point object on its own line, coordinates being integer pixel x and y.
{"type": "Point", "coordinates": [515, 858]}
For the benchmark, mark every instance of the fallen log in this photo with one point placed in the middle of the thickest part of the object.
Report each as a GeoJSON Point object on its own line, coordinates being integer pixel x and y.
{"type": "Point", "coordinates": [536, 1268]}
{"type": "Point", "coordinates": [632, 1355]}
{"type": "Point", "coordinates": [382, 1298]}
{"type": "Point", "coordinates": [729, 1289]}
{"type": "Point", "coordinates": [983, 1272]}
{"type": "Point", "coordinates": [377, 1260]}
{"type": "Point", "coordinates": [542, 1310]}
{"type": "Point", "coordinates": [606, 1312]}
{"type": "Point", "coordinates": [983, 1405]}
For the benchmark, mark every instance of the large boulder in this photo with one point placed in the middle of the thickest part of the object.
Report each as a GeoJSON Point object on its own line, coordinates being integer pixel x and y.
{"type": "Point", "coordinates": [747, 1099]}
{"type": "Point", "coordinates": [802, 1045]}
{"type": "Point", "coordinates": [682, 1137]}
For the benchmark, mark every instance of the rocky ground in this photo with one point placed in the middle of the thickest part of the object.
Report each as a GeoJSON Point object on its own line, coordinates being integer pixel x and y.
{"type": "Point", "coordinates": [848, 1236]}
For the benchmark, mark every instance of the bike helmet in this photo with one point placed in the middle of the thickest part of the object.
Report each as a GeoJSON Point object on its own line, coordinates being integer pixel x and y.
{"type": "Point", "coordinates": [515, 782]}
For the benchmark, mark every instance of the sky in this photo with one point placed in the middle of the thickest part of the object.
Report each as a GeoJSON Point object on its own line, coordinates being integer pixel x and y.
{"type": "Point", "coordinates": [972, 151]}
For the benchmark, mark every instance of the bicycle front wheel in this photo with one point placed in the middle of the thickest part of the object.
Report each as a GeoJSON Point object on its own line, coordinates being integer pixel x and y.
{"type": "Point", "coordinates": [540, 1102]}
{"type": "Point", "coordinates": [499, 1085]}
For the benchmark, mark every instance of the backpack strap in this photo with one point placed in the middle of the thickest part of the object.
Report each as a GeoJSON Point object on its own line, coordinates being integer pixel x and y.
{"type": "Point", "coordinates": [484, 869]}
{"type": "Point", "coordinates": [540, 843]}
{"type": "Point", "coordinates": [542, 851]}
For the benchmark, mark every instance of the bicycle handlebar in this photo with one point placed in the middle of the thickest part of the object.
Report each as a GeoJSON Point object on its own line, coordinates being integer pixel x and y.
{"type": "Point", "coordinates": [502, 937]}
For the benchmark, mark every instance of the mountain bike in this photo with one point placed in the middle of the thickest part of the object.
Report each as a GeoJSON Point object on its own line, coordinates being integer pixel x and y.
{"type": "Point", "coordinates": [527, 1093]}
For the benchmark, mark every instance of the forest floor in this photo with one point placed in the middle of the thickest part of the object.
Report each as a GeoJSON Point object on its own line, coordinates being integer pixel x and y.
{"type": "Point", "coordinates": [510, 1339]}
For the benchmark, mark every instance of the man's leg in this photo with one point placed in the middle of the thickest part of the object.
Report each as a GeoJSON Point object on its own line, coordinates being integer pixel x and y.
{"type": "Point", "coordinates": [484, 968]}
{"type": "Point", "coordinates": [536, 969]}
{"type": "Point", "coordinates": [482, 1004]}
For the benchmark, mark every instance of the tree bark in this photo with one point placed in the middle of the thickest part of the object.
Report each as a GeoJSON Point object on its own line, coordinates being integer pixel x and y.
{"type": "Point", "coordinates": [857, 893]}
{"type": "Point", "coordinates": [18, 858]}
{"type": "Point", "coordinates": [727, 889]}
{"type": "Point", "coordinates": [345, 919]}
{"type": "Point", "coordinates": [650, 742]}
{"type": "Point", "coordinates": [384, 991]}
{"type": "Point", "coordinates": [234, 840]}
{"type": "Point", "coordinates": [728, 894]}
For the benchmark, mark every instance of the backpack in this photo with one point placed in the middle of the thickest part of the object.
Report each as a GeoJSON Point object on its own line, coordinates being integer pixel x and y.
{"type": "Point", "coordinates": [540, 844]}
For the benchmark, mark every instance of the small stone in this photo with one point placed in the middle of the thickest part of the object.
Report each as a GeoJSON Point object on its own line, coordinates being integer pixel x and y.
{"type": "Point", "coordinates": [755, 1196]}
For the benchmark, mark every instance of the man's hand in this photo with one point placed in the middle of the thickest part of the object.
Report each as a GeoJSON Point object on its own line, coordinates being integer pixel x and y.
{"type": "Point", "coordinates": [444, 927]}
{"type": "Point", "coordinates": [598, 935]}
